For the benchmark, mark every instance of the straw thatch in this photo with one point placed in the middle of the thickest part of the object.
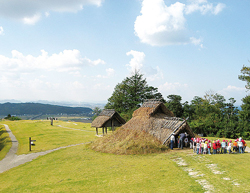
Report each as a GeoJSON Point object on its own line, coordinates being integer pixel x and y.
{"type": "Point", "coordinates": [154, 118]}
{"type": "Point", "coordinates": [108, 118]}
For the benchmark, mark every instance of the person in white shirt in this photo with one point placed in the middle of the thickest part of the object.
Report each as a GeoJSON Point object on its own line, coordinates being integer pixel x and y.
{"type": "Point", "coordinates": [172, 140]}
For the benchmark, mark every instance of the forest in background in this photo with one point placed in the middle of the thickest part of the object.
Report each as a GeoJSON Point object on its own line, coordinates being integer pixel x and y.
{"type": "Point", "coordinates": [209, 115]}
{"type": "Point", "coordinates": [38, 108]}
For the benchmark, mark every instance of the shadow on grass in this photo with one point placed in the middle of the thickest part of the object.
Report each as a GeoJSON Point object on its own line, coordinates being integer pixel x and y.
{"type": "Point", "coordinates": [3, 140]}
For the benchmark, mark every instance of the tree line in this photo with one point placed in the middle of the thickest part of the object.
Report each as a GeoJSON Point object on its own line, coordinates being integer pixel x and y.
{"type": "Point", "coordinates": [209, 115]}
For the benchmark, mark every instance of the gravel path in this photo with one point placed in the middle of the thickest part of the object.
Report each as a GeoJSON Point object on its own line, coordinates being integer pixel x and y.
{"type": "Point", "coordinates": [12, 160]}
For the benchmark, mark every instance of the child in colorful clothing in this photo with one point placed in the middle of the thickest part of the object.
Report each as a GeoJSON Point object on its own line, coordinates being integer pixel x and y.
{"type": "Point", "coordinates": [243, 148]}
{"type": "Point", "coordinates": [194, 145]}
{"type": "Point", "coordinates": [223, 146]}
{"type": "Point", "coordinates": [229, 146]}
{"type": "Point", "coordinates": [226, 146]}
{"type": "Point", "coordinates": [214, 147]}
{"type": "Point", "coordinates": [209, 146]}
{"type": "Point", "coordinates": [202, 146]}
{"type": "Point", "coordinates": [198, 146]}
{"type": "Point", "coordinates": [240, 145]}
{"type": "Point", "coordinates": [191, 143]}
{"type": "Point", "coordinates": [218, 146]}
{"type": "Point", "coordinates": [235, 146]}
{"type": "Point", "coordinates": [205, 148]}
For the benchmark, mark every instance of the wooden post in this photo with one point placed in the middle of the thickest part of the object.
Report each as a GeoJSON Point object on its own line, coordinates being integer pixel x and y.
{"type": "Point", "coordinates": [96, 131]}
{"type": "Point", "coordinates": [103, 131]}
{"type": "Point", "coordinates": [112, 124]}
{"type": "Point", "coordinates": [30, 143]}
{"type": "Point", "coordinates": [51, 121]}
{"type": "Point", "coordinates": [106, 130]}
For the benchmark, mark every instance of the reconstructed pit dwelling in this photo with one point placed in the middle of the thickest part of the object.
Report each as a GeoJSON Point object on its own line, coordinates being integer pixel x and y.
{"type": "Point", "coordinates": [152, 117]}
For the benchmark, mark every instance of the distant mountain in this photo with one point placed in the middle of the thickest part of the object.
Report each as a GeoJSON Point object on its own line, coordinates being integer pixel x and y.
{"type": "Point", "coordinates": [38, 108]}
{"type": "Point", "coordinates": [91, 105]}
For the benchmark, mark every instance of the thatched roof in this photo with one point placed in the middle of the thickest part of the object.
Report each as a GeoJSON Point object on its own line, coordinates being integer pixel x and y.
{"type": "Point", "coordinates": [151, 107]}
{"type": "Point", "coordinates": [105, 116]}
{"type": "Point", "coordinates": [155, 118]}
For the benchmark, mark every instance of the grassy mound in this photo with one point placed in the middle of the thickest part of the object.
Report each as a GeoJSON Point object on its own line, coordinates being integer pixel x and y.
{"type": "Point", "coordinates": [127, 141]}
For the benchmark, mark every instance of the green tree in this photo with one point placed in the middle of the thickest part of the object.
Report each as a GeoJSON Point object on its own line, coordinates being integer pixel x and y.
{"type": "Point", "coordinates": [245, 76]}
{"type": "Point", "coordinates": [230, 119]}
{"type": "Point", "coordinates": [244, 119]}
{"type": "Point", "coordinates": [244, 114]}
{"type": "Point", "coordinates": [174, 105]}
{"type": "Point", "coordinates": [131, 93]}
{"type": "Point", "coordinates": [207, 116]}
{"type": "Point", "coordinates": [96, 112]}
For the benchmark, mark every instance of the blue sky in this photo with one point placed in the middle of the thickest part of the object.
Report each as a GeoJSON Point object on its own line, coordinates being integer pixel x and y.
{"type": "Point", "coordinates": [79, 50]}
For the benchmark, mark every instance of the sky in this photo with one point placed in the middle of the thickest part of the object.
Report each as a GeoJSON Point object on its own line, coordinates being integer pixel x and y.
{"type": "Point", "coordinates": [79, 50]}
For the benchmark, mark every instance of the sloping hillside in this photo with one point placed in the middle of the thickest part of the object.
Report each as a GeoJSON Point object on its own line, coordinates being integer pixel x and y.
{"type": "Point", "coordinates": [38, 108]}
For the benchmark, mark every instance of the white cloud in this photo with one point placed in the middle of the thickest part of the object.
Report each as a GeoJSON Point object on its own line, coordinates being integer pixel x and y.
{"type": "Point", "coordinates": [47, 14]}
{"type": "Point", "coordinates": [1, 30]}
{"type": "Point", "coordinates": [204, 7]}
{"type": "Point", "coordinates": [153, 74]}
{"type": "Point", "coordinates": [233, 92]}
{"type": "Point", "coordinates": [95, 62]}
{"type": "Point", "coordinates": [110, 71]}
{"type": "Point", "coordinates": [233, 88]}
{"type": "Point", "coordinates": [219, 8]}
{"type": "Point", "coordinates": [136, 63]}
{"type": "Point", "coordinates": [31, 20]}
{"type": "Point", "coordinates": [30, 11]}
{"type": "Point", "coordinates": [160, 25]}
{"type": "Point", "coordinates": [66, 61]}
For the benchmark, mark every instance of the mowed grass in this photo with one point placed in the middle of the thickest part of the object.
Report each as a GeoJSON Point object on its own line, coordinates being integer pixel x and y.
{"type": "Point", "coordinates": [47, 136]}
{"type": "Point", "coordinates": [80, 169]}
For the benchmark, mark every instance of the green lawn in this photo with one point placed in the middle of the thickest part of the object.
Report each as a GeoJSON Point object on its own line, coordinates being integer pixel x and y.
{"type": "Point", "coordinates": [79, 169]}
{"type": "Point", "coordinates": [47, 136]}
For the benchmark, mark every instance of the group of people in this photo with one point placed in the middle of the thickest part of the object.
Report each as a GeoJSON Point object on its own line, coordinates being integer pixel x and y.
{"type": "Point", "coordinates": [181, 140]}
{"type": "Point", "coordinates": [205, 146]}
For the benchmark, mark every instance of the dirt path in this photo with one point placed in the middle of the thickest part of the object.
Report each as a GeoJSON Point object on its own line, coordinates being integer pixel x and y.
{"type": "Point", "coordinates": [12, 160]}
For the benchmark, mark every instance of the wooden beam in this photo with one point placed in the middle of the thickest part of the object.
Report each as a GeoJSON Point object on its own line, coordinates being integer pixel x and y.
{"type": "Point", "coordinates": [96, 130]}
{"type": "Point", "coordinates": [112, 124]}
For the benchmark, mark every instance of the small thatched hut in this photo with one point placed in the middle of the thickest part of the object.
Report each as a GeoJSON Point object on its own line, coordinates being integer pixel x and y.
{"type": "Point", "coordinates": [107, 118]}
{"type": "Point", "coordinates": [154, 118]}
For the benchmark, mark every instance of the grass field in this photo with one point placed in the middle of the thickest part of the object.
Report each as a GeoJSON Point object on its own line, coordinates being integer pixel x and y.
{"type": "Point", "coordinates": [80, 169]}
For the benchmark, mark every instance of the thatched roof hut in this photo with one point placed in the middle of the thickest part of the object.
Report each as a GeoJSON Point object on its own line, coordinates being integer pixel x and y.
{"type": "Point", "coordinates": [154, 118]}
{"type": "Point", "coordinates": [108, 118]}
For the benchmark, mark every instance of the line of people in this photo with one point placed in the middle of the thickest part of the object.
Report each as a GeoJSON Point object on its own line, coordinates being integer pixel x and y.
{"type": "Point", "coordinates": [205, 146]}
